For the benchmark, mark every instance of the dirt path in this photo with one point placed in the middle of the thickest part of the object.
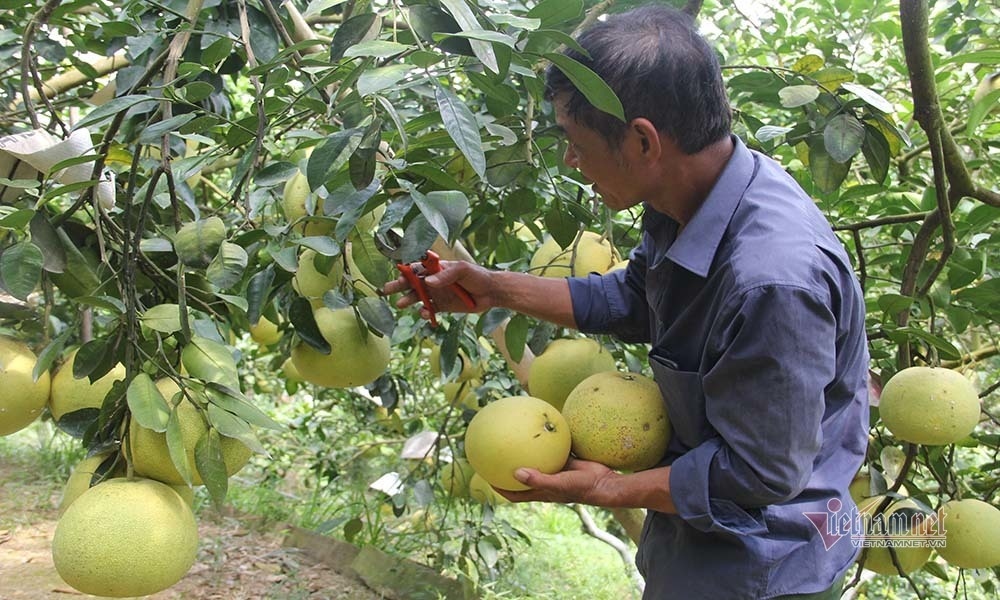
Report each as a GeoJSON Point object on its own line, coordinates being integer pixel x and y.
{"type": "Point", "coordinates": [238, 559]}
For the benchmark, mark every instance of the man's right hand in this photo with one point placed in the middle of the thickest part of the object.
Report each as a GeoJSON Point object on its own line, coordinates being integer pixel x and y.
{"type": "Point", "coordinates": [476, 280]}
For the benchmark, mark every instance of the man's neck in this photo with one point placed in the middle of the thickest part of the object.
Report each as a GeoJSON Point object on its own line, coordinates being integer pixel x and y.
{"type": "Point", "coordinates": [687, 179]}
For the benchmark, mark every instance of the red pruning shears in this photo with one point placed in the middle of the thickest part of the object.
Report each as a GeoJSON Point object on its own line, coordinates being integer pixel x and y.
{"type": "Point", "coordinates": [430, 263]}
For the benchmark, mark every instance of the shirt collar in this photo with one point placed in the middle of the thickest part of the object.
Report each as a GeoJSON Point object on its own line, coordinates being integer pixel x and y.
{"type": "Point", "coordinates": [698, 242]}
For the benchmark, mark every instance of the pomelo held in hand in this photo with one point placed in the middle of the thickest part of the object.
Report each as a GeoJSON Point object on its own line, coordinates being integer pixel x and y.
{"type": "Point", "coordinates": [125, 538]}
{"type": "Point", "coordinates": [513, 432]}
{"type": "Point", "coordinates": [972, 534]}
{"type": "Point", "coordinates": [924, 405]}
{"type": "Point", "coordinates": [618, 420]}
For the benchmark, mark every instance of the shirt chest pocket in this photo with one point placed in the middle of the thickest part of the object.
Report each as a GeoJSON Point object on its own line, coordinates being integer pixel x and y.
{"type": "Point", "coordinates": [685, 399]}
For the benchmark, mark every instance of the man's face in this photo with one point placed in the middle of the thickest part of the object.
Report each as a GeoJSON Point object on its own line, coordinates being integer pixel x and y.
{"type": "Point", "coordinates": [599, 163]}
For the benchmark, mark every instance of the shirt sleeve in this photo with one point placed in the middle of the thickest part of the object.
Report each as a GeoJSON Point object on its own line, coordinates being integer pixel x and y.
{"type": "Point", "coordinates": [614, 303]}
{"type": "Point", "coordinates": [764, 397]}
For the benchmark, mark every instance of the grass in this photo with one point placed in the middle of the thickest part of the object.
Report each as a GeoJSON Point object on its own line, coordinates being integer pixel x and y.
{"type": "Point", "coordinates": [561, 561]}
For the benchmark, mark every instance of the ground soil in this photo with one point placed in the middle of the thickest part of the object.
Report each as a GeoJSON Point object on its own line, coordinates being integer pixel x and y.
{"type": "Point", "coordinates": [239, 557]}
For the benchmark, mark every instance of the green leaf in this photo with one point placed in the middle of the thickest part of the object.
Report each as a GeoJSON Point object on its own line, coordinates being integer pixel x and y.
{"type": "Point", "coordinates": [376, 80]}
{"type": "Point", "coordinates": [354, 30]}
{"type": "Point", "coordinates": [77, 423]}
{"type": "Point", "coordinates": [770, 132]}
{"type": "Point", "coordinates": [827, 173]}
{"type": "Point", "coordinates": [877, 154]}
{"type": "Point", "coordinates": [873, 99]}
{"type": "Point", "coordinates": [377, 313]}
{"type": "Point", "coordinates": [234, 427]}
{"type": "Point", "coordinates": [561, 226]}
{"type": "Point", "coordinates": [484, 35]}
{"type": "Point", "coordinates": [417, 239]}
{"type": "Point", "coordinates": [330, 156]}
{"type": "Point", "coordinates": [452, 205]}
{"type": "Point", "coordinates": [237, 404]}
{"type": "Point", "coordinates": [373, 266]}
{"type": "Point", "coordinates": [516, 336]}
{"type": "Point", "coordinates": [275, 174]}
{"type": "Point", "coordinates": [175, 446]}
{"type": "Point", "coordinates": [376, 48]}
{"type": "Point", "coordinates": [554, 12]}
{"type": "Point", "coordinates": [797, 95]}
{"type": "Point", "coordinates": [209, 360]}
{"type": "Point", "coordinates": [843, 137]}
{"type": "Point", "coordinates": [165, 318]}
{"type": "Point", "coordinates": [47, 239]}
{"type": "Point", "coordinates": [467, 21]}
{"type": "Point", "coordinates": [980, 57]}
{"type": "Point", "coordinates": [111, 108]}
{"type": "Point", "coordinates": [47, 356]}
{"type": "Point", "coordinates": [155, 132]}
{"type": "Point", "coordinates": [488, 552]}
{"type": "Point", "coordinates": [945, 348]}
{"type": "Point", "coordinates": [211, 466]}
{"type": "Point", "coordinates": [893, 304]}
{"type": "Point", "coordinates": [463, 128]}
{"type": "Point", "coordinates": [21, 269]}
{"type": "Point", "coordinates": [590, 85]}
{"type": "Point", "coordinates": [321, 244]}
{"type": "Point", "coordinates": [17, 219]}
{"type": "Point", "coordinates": [980, 110]}
{"type": "Point", "coordinates": [300, 314]}
{"type": "Point", "coordinates": [258, 290]}
{"type": "Point", "coordinates": [147, 404]}
{"type": "Point", "coordinates": [228, 266]}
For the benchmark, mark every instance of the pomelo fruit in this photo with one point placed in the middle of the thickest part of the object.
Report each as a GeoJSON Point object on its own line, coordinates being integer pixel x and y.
{"type": "Point", "coordinates": [563, 365]}
{"type": "Point", "coordinates": [925, 405]}
{"type": "Point", "coordinates": [23, 398]}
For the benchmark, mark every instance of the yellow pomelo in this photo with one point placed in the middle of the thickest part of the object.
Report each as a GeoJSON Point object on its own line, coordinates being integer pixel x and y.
{"type": "Point", "coordinates": [563, 365]}
{"type": "Point", "coordinates": [513, 432]}
{"type": "Point", "coordinates": [294, 199]}
{"type": "Point", "coordinates": [79, 480]}
{"type": "Point", "coordinates": [462, 393]}
{"type": "Point", "coordinates": [468, 369]}
{"type": "Point", "coordinates": [482, 492]}
{"type": "Point", "coordinates": [620, 265]}
{"type": "Point", "coordinates": [861, 488]}
{"type": "Point", "coordinates": [70, 394]}
{"type": "Point", "coordinates": [591, 254]}
{"type": "Point", "coordinates": [151, 457]}
{"type": "Point", "coordinates": [22, 399]}
{"type": "Point", "coordinates": [972, 534]}
{"type": "Point", "coordinates": [357, 356]}
{"type": "Point", "coordinates": [618, 420]}
{"type": "Point", "coordinates": [186, 493]}
{"type": "Point", "coordinates": [893, 528]}
{"type": "Point", "coordinates": [455, 477]}
{"type": "Point", "coordinates": [290, 372]}
{"type": "Point", "coordinates": [265, 332]}
{"type": "Point", "coordinates": [312, 283]}
{"type": "Point", "coordinates": [125, 538]}
{"type": "Point", "coordinates": [924, 405]}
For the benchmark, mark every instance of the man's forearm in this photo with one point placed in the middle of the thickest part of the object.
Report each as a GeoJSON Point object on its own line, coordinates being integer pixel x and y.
{"type": "Point", "coordinates": [648, 489]}
{"type": "Point", "coordinates": [545, 298]}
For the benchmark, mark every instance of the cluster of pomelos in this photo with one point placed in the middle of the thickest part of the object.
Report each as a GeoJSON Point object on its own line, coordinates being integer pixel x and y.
{"type": "Point", "coordinates": [580, 404]}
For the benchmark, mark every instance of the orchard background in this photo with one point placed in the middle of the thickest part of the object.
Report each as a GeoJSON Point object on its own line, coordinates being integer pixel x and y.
{"type": "Point", "coordinates": [427, 117]}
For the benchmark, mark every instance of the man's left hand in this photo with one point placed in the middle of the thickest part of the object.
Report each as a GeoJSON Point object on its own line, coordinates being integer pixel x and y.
{"type": "Point", "coordinates": [581, 481]}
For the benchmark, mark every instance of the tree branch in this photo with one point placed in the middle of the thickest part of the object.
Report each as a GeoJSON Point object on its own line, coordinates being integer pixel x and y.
{"type": "Point", "coordinates": [623, 549]}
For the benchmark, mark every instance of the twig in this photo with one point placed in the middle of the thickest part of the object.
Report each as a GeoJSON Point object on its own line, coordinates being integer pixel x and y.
{"type": "Point", "coordinates": [623, 549]}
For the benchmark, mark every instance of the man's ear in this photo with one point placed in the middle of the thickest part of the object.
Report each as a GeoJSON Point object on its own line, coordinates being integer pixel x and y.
{"type": "Point", "coordinates": [647, 139]}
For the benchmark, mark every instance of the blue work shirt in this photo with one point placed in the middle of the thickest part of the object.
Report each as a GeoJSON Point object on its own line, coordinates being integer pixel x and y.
{"type": "Point", "coordinates": [757, 333]}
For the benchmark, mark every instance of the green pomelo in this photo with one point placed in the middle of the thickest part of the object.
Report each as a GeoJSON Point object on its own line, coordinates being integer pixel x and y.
{"type": "Point", "coordinates": [591, 254]}
{"type": "Point", "coordinates": [972, 534]}
{"type": "Point", "coordinates": [151, 456]}
{"type": "Point", "coordinates": [563, 365]}
{"type": "Point", "coordinates": [125, 538]}
{"type": "Point", "coordinates": [357, 356]}
{"type": "Point", "coordinates": [924, 405]}
{"type": "Point", "coordinates": [23, 398]}
{"type": "Point", "coordinates": [70, 394]}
